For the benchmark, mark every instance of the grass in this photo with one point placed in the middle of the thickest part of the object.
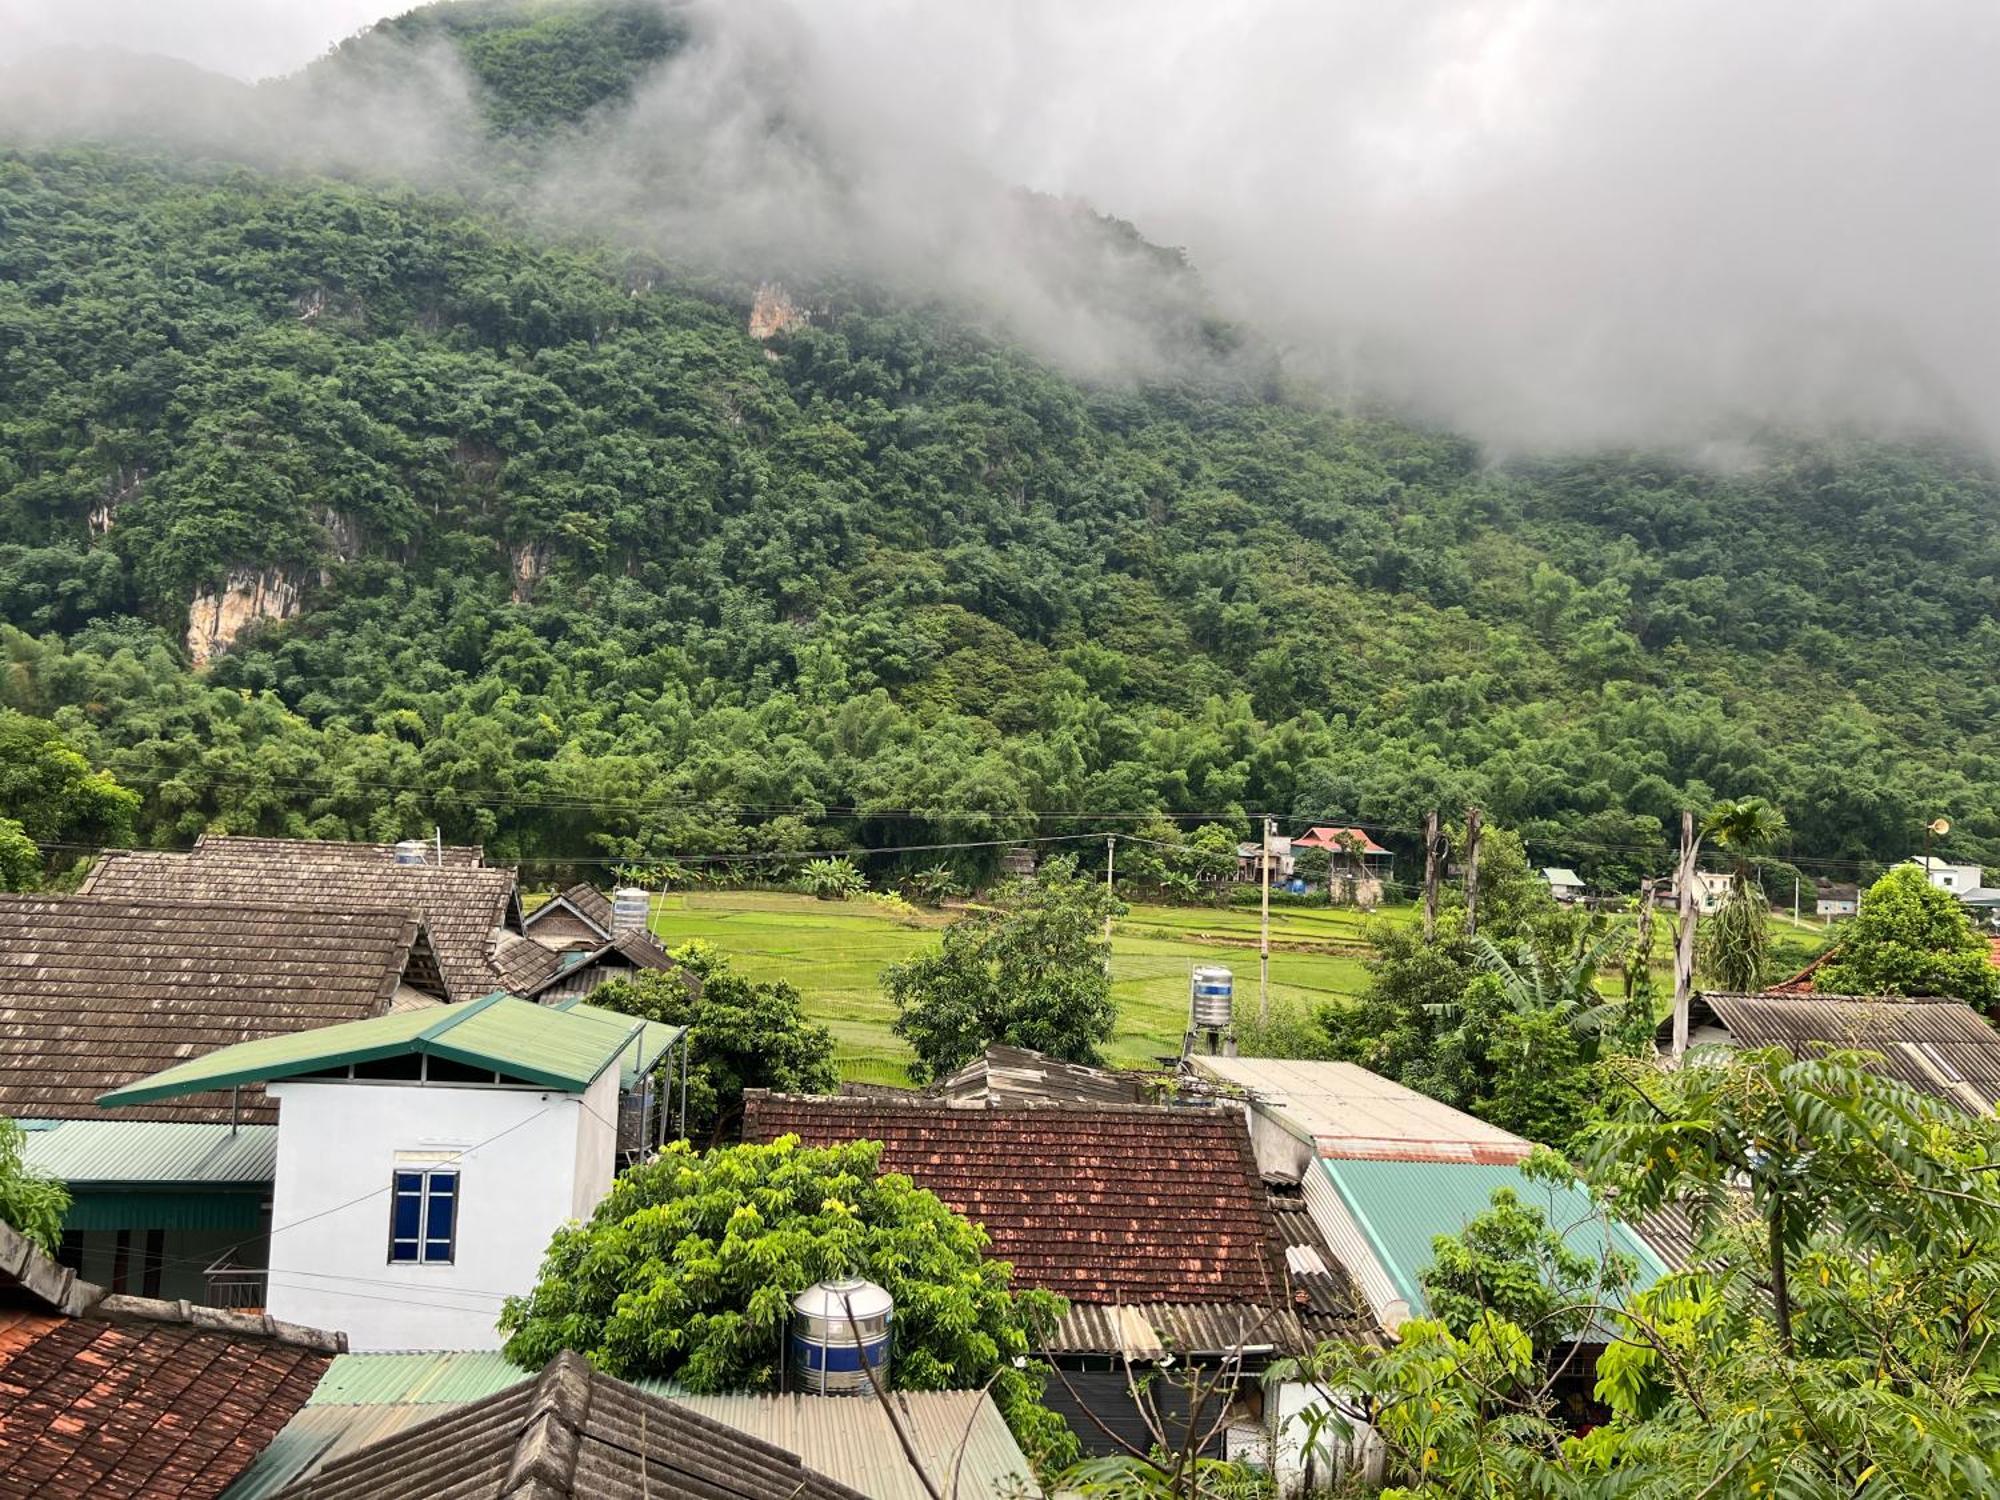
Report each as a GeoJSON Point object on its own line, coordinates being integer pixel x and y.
{"type": "Point", "coordinates": [835, 952]}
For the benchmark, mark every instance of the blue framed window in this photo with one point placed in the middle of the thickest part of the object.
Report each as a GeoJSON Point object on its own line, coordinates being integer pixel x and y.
{"type": "Point", "coordinates": [423, 1217]}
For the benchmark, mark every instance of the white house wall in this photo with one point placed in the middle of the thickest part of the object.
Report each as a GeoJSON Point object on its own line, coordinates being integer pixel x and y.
{"type": "Point", "coordinates": [596, 1145]}
{"type": "Point", "coordinates": [520, 1155]}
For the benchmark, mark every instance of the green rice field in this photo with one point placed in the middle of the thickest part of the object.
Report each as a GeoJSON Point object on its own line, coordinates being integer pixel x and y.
{"type": "Point", "coordinates": [835, 952]}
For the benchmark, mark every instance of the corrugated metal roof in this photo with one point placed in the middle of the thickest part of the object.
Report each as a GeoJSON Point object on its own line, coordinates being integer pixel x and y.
{"type": "Point", "coordinates": [154, 1151]}
{"type": "Point", "coordinates": [654, 1040]}
{"type": "Point", "coordinates": [559, 1049]}
{"type": "Point", "coordinates": [364, 1398]}
{"type": "Point", "coordinates": [1401, 1207]}
{"type": "Point", "coordinates": [1152, 1330]}
{"type": "Point", "coordinates": [231, 1209]}
{"type": "Point", "coordinates": [1345, 1110]}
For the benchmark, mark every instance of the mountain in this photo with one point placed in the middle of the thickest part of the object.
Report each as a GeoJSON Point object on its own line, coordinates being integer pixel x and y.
{"type": "Point", "coordinates": [336, 506]}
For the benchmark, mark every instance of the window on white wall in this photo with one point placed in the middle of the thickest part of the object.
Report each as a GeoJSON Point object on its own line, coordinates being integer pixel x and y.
{"type": "Point", "coordinates": [423, 1217]}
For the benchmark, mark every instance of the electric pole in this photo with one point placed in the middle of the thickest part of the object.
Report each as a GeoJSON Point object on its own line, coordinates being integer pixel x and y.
{"type": "Point", "coordinates": [1684, 938]}
{"type": "Point", "coordinates": [1473, 819]}
{"type": "Point", "coordinates": [1110, 894]}
{"type": "Point", "coordinates": [1264, 944]}
{"type": "Point", "coordinates": [1430, 874]}
{"type": "Point", "coordinates": [1644, 942]}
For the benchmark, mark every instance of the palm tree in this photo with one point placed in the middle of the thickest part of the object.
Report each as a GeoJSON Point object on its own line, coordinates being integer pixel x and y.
{"type": "Point", "coordinates": [1735, 945]}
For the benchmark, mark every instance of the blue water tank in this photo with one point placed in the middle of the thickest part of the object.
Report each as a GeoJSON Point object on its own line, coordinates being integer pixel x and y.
{"type": "Point", "coordinates": [835, 1326]}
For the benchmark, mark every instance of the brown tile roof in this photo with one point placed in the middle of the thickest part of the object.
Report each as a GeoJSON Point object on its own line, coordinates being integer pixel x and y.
{"type": "Point", "coordinates": [571, 1432]}
{"type": "Point", "coordinates": [464, 905]}
{"type": "Point", "coordinates": [638, 950]}
{"type": "Point", "coordinates": [132, 1397]}
{"type": "Point", "coordinates": [1328, 1303]}
{"type": "Point", "coordinates": [324, 849]}
{"type": "Point", "coordinates": [1113, 1204]}
{"type": "Point", "coordinates": [1942, 1047]}
{"type": "Point", "coordinates": [586, 901]}
{"type": "Point", "coordinates": [96, 991]}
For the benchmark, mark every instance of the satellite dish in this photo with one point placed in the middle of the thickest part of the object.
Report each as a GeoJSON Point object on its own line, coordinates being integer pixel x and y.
{"type": "Point", "coordinates": [1940, 826]}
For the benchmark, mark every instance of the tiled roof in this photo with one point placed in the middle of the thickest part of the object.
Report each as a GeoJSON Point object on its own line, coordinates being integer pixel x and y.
{"type": "Point", "coordinates": [325, 849]}
{"type": "Point", "coordinates": [1187, 1330]}
{"type": "Point", "coordinates": [528, 976]}
{"type": "Point", "coordinates": [1117, 1204]}
{"type": "Point", "coordinates": [1328, 1303]}
{"type": "Point", "coordinates": [1942, 1047]}
{"type": "Point", "coordinates": [97, 990]}
{"type": "Point", "coordinates": [1019, 1075]}
{"type": "Point", "coordinates": [570, 1432]}
{"type": "Point", "coordinates": [462, 904]}
{"type": "Point", "coordinates": [1320, 837]}
{"type": "Point", "coordinates": [132, 1397]}
{"type": "Point", "coordinates": [587, 901]}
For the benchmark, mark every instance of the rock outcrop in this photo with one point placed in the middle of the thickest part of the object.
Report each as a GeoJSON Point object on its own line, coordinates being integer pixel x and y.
{"type": "Point", "coordinates": [530, 560]}
{"type": "Point", "coordinates": [123, 485]}
{"type": "Point", "coordinates": [216, 617]}
{"type": "Point", "coordinates": [774, 312]}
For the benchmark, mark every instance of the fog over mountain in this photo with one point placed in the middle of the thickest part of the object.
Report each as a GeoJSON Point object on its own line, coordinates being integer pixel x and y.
{"type": "Point", "coordinates": [1549, 224]}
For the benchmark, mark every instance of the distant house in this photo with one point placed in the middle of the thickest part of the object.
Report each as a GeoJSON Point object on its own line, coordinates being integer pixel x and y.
{"type": "Point", "coordinates": [466, 907]}
{"type": "Point", "coordinates": [1358, 869]}
{"type": "Point", "coordinates": [548, 975]}
{"type": "Point", "coordinates": [1250, 862]}
{"type": "Point", "coordinates": [105, 1394]}
{"type": "Point", "coordinates": [1019, 1076]}
{"type": "Point", "coordinates": [425, 1157]}
{"type": "Point", "coordinates": [1835, 899]}
{"type": "Point", "coordinates": [1017, 863]}
{"type": "Point", "coordinates": [1940, 1046]}
{"type": "Point", "coordinates": [1960, 880]}
{"type": "Point", "coordinates": [1153, 1222]}
{"type": "Point", "coordinates": [97, 990]}
{"type": "Point", "coordinates": [1565, 885]}
{"type": "Point", "coordinates": [366, 1399]}
{"type": "Point", "coordinates": [578, 917]}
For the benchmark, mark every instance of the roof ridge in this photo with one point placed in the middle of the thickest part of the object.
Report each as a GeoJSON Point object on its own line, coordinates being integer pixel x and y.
{"type": "Point", "coordinates": [551, 1439]}
{"type": "Point", "coordinates": [465, 1010]}
{"type": "Point", "coordinates": [194, 904]}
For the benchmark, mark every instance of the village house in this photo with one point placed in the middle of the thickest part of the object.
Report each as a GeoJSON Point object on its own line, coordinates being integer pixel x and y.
{"type": "Point", "coordinates": [108, 1394]}
{"type": "Point", "coordinates": [579, 916]}
{"type": "Point", "coordinates": [1833, 899]}
{"type": "Point", "coordinates": [1565, 885]}
{"type": "Point", "coordinates": [1152, 1221]}
{"type": "Point", "coordinates": [424, 1157]}
{"type": "Point", "coordinates": [1359, 870]}
{"type": "Point", "coordinates": [170, 1200]}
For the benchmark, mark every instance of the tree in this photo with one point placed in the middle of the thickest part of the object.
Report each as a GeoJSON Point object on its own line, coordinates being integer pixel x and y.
{"type": "Point", "coordinates": [1735, 939]}
{"type": "Point", "coordinates": [687, 1271]}
{"type": "Point", "coordinates": [742, 1034]}
{"type": "Point", "coordinates": [1030, 971]}
{"type": "Point", "coordinates": [832, 879]}
{"type": "Point", "coordinates": [30, 1202]}
{"type": "Point", "coordinates": [49, 796]}
{"type": "Point", "coordinates": [1910, 938]}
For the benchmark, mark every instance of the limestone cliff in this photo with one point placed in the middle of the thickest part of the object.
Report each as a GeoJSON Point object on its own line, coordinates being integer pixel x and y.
{"type": "Point", "coordinates": [774, 312]}
{"type": "Point", "coordinates": [216, 617]}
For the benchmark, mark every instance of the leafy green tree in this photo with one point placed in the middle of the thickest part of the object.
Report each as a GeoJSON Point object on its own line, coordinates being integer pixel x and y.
{"type": "Point", "coordinates": [1735, 939]}
{"type": "Point", "coordinates": [49, 793]}
{"type": "Point", "coordinates": [687, 1270]}
{"type": "Point", "coordinates": [20, 859]}
{"type": "Point", "coordinates": [742, 1033]}
{"type": "Point", "coordinates": [1033, 970]}
{"type": "Point", "coordinates": [935, 884]}
{"type": "Point", "coordinates": [30, 1202]}
{"type": "Point", "coordinates": [1910, 938]}
{"type": "Point", "coordinates": [832, 879]}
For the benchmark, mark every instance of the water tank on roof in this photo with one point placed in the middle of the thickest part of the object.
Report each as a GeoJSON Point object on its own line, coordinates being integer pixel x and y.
{"type": "Point", "coordinates": [629, 906]}
{"type": "Point", "coordinates": [413, 852]}
{"type": "Point", "coordinates": [835, 1326]}
{"type": "Point", "coordinates": [1211, 997]}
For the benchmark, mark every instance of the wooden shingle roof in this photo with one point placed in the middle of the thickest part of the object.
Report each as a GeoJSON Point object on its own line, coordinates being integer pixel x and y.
{"type": "Point", "coordinates": [572, 1431]}
{"type": "Point", "coordinates": [528, 969]}
{"type": "Point", "coordinates": [96, 991]}
{"type": "Point", "coordinates": [1126, 1205]}
{"type": "Point", "coordinates": [585, 901]}
{"type": "Point", "coordinates": [135, 1397]}
{"type": "Point", "coordinates": [464, 905]}
{"type": "Point", "coordinates": [1940, 1046]}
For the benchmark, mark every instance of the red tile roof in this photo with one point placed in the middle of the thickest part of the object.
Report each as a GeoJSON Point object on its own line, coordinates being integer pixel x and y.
{"type": "Point", "coordinates": [1319, 837]}
{"type": "Point", "coordinates": [147, 1411]}
{"type": "Point", "coordinates": [1110, 1205]}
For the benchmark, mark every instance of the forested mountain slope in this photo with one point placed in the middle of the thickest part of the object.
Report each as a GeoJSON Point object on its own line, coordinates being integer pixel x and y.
{"type": "Point", "coordinates": [556, 553]}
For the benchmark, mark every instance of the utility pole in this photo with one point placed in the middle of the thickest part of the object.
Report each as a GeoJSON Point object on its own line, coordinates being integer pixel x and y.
{"type": "Point", "coordinates": [1110, 893]}
{"type": "Point", "coordinates": [1643, 946]}
{"type": "Point", "coordinates": [1795, 902]}
{"type": "Point", "coordinates": [1473, 819]}
{"type": "Point", "coordinates": [1684, 939]}
{"type": "Point", "coordinates": [1430, 874]}
{"type": "Point", "coordinates": [1264, 944]}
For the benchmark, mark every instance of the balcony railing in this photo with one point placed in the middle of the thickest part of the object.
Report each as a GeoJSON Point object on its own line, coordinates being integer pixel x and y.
{"type": "Point", "coordinates": [239, 1288]}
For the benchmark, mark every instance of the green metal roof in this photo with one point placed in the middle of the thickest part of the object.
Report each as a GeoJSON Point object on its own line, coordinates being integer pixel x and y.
{"type": "Point", "coordinates": [1402, 1206]}
{"type": "Point", "coordinates": [153, 1152]}
{"type": "Point", "coordinates": [653, 1042]}
{"type": "Point", "coordinates": [387, 1379]}
{"type": "Point", "coordinates": [170, 1208]}
{"type": "Point", "coordinates": [537, 1044]}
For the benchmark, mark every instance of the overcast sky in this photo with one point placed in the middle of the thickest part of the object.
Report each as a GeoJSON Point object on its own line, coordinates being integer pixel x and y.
{"type": "Point", "coordinates": [1547, 221]}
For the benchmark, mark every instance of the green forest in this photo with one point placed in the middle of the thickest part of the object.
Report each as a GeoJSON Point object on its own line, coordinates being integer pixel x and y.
{"type": "Point", "coordinates": [572, 565]}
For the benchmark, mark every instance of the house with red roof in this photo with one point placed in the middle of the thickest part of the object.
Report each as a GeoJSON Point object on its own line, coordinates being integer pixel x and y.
{"type": "Point", "coordinates": [1358, 868]}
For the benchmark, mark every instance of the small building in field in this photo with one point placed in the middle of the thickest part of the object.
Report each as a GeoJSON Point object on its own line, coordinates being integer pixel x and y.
{"type": "Point", "coordinates": [1250, 862]}
{"type": "Point", "coordinates": [1833, 898]}
{"type": "Point", "coordinates": [424, 1158]}
{"type": "Point", "coordinates": [1565, 885]}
